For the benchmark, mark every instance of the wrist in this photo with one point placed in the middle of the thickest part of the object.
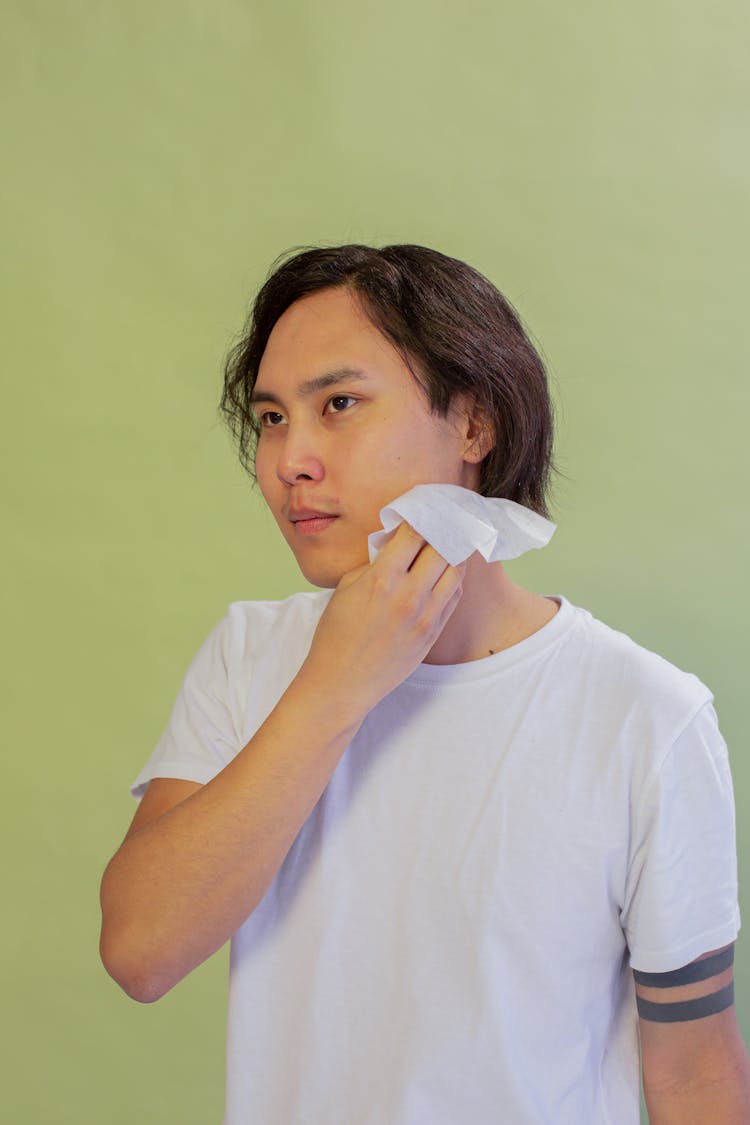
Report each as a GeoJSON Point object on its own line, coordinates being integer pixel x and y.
{"type": "Point", "coordinates": [338, 709]}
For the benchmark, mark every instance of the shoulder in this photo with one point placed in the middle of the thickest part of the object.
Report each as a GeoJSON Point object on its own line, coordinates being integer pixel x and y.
{"type": "Point", "coordinates": [298, 611]}
{"type": "Point", "coordinates": [251, 629]}
{"type": "Point", "coordinates": [639, 676]}
{"type": "Point", "coordinates": [631, 700]}
{"type": "Point", "coordinates": [253, 632]}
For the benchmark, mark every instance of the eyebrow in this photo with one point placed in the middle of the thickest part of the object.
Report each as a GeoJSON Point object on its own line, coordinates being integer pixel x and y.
{"type": "Point", "coordinates": [311, 386]}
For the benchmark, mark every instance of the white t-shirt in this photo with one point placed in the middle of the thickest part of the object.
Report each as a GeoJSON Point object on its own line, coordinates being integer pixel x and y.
{"type": "Point", "coordinates": [450, 939]}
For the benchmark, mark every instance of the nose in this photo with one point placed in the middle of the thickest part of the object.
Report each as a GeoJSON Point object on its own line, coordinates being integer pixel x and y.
{"type": "Point", "coordinates": [298, 458]}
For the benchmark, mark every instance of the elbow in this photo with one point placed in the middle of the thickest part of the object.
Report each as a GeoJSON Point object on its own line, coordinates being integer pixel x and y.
{"type": "Point", "coordinates": [127, 953]}
{"type": "Point", "coordinates": [130, 969]}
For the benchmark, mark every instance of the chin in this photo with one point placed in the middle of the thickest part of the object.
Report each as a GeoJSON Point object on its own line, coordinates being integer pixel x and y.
{"type": "Point", "coordinates": [318, 578]}
{"type": "Point", "coordinates": [324, 579]}
{"type": "Point", "coordinates": [327, 574]}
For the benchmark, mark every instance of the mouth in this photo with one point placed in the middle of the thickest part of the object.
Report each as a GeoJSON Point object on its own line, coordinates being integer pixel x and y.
{"type": "Point", "coordinates": [313, 525]}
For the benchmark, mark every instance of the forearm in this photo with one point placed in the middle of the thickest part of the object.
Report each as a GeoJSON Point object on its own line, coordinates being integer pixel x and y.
{"type": "Point", "coordinates": [179, 887]}
{"type": "Point", "coordinates": [724, 1100]}
{"type": "Point", "coordinates": [182, 884]}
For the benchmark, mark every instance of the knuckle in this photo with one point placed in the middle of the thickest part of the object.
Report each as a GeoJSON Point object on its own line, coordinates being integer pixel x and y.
{"type": "Point", "coordinates": [410, 609]}
{"type": "Point", "coordinates": [382, 584]}
{"type": "Point", "coordinates": [410, 534]}
{"type": "Point", "coordinates": [424, 626]}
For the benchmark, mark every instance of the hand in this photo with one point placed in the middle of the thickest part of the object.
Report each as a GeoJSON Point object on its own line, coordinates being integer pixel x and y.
{"type": "Point", "coordinates": [382, 621]}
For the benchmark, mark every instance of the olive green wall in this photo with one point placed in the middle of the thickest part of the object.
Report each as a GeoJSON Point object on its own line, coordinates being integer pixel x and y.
{"type": "Point", "coordinates": [591, 158]}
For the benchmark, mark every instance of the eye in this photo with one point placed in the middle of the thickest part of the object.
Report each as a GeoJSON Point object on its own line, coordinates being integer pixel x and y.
{"type": "Point", "coordinates": [265, 419]}
{"type": "Point", "coordinates": [339, 399]}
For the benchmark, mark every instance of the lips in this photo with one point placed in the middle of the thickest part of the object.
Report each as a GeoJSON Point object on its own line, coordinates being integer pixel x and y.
{"type": "Point", "coordinates": [310, 521]}
{"type": "Point", "coordinates": [310, 514]}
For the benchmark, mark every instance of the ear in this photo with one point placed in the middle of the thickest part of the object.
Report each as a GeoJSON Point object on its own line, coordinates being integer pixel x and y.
{"type": "Point", "coordinates": [479, 431]}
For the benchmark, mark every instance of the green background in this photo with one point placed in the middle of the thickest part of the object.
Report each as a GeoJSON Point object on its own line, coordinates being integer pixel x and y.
{"type": "Point", "coordinates": [591, 158]}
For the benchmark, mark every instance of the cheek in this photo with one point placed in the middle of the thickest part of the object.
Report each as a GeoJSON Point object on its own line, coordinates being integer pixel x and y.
{"type": "Point", "coordinates": [387, 447]}
{"type": "Point", "coordinates": [264, 470]}
{"type": "Point", "coordinates": [409, 452]}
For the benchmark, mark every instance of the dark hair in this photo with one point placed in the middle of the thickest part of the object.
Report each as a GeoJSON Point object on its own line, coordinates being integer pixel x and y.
{"type": "Point", "coordinates": [454, 329]}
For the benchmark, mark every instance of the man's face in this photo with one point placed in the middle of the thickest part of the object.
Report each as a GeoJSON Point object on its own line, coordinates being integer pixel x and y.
{"type": "Point", "coordinates": [345, 430]}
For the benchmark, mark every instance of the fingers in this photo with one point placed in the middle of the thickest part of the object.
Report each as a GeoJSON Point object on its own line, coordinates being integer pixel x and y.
{"type": "Point", "coordinates": [401, 550]}
{"type": "Point", "coordinates": [416, 567]}
{"type": "Point", "coordinates": [450, 605]}
{"type": "Point", "coordinates": [408, 551]}
{"type": "Point", "coordinates": [430, 570]}
{"type": "Point", "coordinates": [448, 589]}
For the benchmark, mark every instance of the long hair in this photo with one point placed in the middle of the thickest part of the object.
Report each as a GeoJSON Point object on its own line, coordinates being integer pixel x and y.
{"type": "Point", "coordinates": [455, 331]}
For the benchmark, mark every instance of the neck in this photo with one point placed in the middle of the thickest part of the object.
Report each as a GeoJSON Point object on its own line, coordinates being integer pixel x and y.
{"type": "Point", "coordinates": [493, 614]}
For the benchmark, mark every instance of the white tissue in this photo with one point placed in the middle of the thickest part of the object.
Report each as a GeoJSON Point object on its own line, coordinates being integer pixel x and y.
{"type": "Point", "coordinates": [457, 522]}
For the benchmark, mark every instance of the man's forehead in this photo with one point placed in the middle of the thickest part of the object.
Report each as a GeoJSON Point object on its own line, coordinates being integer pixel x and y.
{"type": "Point", "coordinates": [334, 321]}
{"type": "Point", "coordinates": [325, 312]}
{"type": "Point", "coordinates": [322, 339]}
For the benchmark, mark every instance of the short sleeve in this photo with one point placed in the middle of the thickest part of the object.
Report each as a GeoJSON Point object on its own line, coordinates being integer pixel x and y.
{"type": "Point", "coordinates": [681, 893]}
{"type": "Point", "coordinates": [200, 737]}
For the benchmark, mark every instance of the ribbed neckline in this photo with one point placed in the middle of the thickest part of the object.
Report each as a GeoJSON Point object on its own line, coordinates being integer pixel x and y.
{"type": "Point", "coordinates": [488, 666]}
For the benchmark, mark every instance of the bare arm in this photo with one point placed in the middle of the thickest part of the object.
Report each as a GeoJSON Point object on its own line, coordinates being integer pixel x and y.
{"type": "Point", "coordinates": [183, 882]}
{"type": "Point", "coordinates": [695, 1065]}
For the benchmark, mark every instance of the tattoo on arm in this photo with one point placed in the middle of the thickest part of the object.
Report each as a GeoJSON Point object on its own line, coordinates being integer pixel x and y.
{"type": "Point", "coordinates": [686, 1009]}
{"type": "Point", "coordinates": [671, 1011]}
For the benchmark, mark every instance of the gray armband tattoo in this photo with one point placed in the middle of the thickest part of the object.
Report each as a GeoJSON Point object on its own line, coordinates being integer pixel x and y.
{"type": "Point", "coordinates": [686, 1009]}
{"type": "Point", "coordinates": [679, 1010]}
{"type": "Point", "coordinates": [688, 974]}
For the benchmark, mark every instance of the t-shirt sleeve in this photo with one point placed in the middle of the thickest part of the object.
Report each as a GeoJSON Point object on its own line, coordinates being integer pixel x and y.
{"type": "Point", "coordinates": [681, 892]}
{"type": "Point", "coordinates": [200, 737]}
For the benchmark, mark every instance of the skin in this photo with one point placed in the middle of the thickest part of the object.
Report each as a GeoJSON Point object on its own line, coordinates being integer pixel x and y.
{"type": "Point", "coordinates": [349, 448]}
{"type": "Point", "coordinates": [354, 447]}
{"type": "Point", "coordinates": [695, 1071]}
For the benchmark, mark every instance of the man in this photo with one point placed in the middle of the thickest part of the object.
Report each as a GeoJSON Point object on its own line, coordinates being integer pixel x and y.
{"type": "Point", "coordinates": [467, 840]}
